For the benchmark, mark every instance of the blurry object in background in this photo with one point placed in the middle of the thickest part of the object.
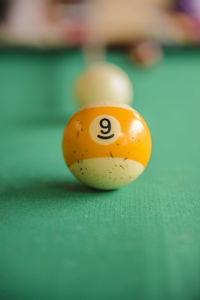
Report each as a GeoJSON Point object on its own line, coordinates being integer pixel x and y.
{"type": "Point", "coordinates": [47, 23]}
{"type": "Point", "coordinates": [103, 82]}
{"type": "Point", "coordinates": [191, 28]}
{"type": "Point", "coordinates": [95, 24]}
{"type": "Point", "coordinates": [189, 7]}
{"type": "Point", "coordinates": [4, 5]}
{"type": "Point", "coordinates": [74, 16]}
{"type": "Point", "coordinates": [29, 22]}
{"type": "Point", "coordinates": [188, 18]}
{"type": "Point", "coordinates": [146, 53]}
{"type": "Point", "coordinates": [125, 21]}
{"type": "Point", "coordinates": [76, 26]}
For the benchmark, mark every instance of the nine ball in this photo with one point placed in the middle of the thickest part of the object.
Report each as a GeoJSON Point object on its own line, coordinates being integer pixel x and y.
{"type": "Point", "coordinates": [106, 145]}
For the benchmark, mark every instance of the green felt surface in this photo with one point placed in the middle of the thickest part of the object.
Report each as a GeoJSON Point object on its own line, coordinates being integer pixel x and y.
{"type": "Point", "coordinates": [61, 240]}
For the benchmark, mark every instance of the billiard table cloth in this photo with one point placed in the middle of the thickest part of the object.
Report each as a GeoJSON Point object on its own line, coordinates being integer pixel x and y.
{"type": "Point", "coordinates": [62, 240]}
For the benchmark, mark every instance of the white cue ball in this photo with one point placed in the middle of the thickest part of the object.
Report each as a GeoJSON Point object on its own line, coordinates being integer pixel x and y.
{"type": "Point", "coordinates": [102, 82]}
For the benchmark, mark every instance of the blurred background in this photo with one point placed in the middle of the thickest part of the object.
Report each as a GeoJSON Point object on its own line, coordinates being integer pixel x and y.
{"type": "Point", "coordinates": [142, 27]}
{"type": "Point", "coordinates": [70, 23]}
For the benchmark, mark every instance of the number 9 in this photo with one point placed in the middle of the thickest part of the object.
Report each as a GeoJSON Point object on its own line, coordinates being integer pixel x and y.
{"type": "Point", "coordinates": [106, 125]}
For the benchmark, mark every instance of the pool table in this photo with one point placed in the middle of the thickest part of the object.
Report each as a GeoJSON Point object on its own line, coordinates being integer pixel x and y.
{"type": "Point", "coordinates": [62, 240]}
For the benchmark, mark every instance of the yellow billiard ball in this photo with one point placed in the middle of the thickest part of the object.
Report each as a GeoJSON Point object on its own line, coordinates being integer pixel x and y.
{"type": "Point", "coordinates": [103, 82]}
{"type": "Point", "coordinates": [106, 145]}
